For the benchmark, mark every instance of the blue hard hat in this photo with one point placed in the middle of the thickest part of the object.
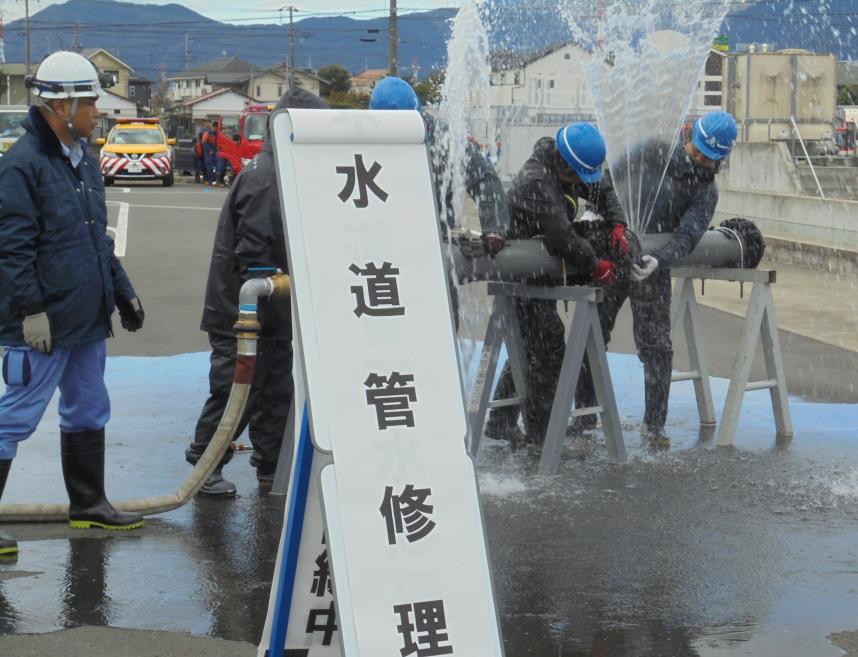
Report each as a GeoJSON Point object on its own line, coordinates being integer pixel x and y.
{"type": "Point", "coordinates": [583, 149]}
{"type": "Point", "coordinates": [394, 93]}
{"type": "Point", "coordinates": [714, 134]}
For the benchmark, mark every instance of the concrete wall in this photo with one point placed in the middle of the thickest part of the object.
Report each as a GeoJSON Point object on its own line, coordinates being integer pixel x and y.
{"type": "Point", "coordinates": [830, 223]}
{"type": "Point", "coordinates": [761, 167]}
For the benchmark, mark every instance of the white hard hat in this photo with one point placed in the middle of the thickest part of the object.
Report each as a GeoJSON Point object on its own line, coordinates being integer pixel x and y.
{"type": "Point", "coordinates": [65, 74]}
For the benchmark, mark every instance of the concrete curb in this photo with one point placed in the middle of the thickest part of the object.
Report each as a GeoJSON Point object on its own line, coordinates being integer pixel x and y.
{"type": "Point", "coordinates": [812, 256]}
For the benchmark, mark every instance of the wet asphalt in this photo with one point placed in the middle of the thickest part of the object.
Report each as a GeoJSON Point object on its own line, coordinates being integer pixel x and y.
{"type": "Point", "coordinates": [696, 551]}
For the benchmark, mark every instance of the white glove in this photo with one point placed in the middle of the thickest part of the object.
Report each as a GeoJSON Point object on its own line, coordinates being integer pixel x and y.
{"type": "Point", "coordinates": [37, 332]}
{"type": "Point", "coordinates": [645, 270]}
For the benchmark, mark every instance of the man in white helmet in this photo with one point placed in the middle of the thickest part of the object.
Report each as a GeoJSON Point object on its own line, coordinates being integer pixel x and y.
{"type": "Point", "coordinates": [59, 285]}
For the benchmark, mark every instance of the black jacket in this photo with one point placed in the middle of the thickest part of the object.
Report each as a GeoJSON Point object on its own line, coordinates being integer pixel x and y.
{"type": "Point", "coordinates": [250, 235]}
{"type": "Point", "coordinates": [540, 206]}
{"type": "Point", "coordinates": [684, 206]}
{"type": "Point", "coordinates": [55, 253]}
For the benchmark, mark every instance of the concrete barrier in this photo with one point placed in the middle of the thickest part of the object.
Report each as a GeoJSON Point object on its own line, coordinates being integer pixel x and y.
{"type": "Point", "coordinates": [830, 222]}
{"type": "Point", "coordinates": [808, 232]}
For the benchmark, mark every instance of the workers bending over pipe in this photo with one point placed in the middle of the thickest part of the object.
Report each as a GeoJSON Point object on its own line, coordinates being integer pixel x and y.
{"type": "Point", "coordinates": [684, 205]}
{"type": "Point", "coordinates": [59, 285]}
{"type": "Point", "coordinates": [543, 201]}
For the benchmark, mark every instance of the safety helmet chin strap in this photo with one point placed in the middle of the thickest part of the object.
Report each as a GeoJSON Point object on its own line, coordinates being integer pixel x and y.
{"type": "Point", "coordinates": [69, 121]}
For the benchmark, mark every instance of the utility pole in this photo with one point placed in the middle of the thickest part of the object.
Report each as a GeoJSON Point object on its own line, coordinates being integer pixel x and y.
{"type": "Point", "coordinates": [27, 32]}
{"type": "Point", "coordinates": [292, 9]}
{"type": "Point", "coordinates": [393, 37]}
{"type": "Point", "coordinates": [2, 43]}
{"type": "Point", "coordinates": [291, 49]}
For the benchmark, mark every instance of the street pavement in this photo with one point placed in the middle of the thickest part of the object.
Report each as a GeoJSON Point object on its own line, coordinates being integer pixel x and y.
{"type": "Point", "coordinates": [697, 552]}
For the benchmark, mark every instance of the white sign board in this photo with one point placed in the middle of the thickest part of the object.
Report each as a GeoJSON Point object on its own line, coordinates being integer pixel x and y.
{"type": "Point", "coordinates": [313, 627]}
{"type": "Point", "coordinates": [407, 545]}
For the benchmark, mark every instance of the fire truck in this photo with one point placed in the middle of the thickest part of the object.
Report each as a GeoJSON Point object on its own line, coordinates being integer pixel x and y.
{"type": "Point", "coordinates": [239, 144]}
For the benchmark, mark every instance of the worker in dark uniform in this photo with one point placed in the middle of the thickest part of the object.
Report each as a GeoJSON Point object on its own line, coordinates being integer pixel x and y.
{"type": "Point", "coordinates": [543, 202]}
{"type": "Point", "coordinates": [684, 206]}
{"type": "Point", "coordinates": [60, 282]}
{"type": "Point", "coordinates": [249, 243]}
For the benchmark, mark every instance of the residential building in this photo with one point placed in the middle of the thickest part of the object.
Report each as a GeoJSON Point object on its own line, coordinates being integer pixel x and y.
{"type": "Point", "coordinates": [239, 76]}
{"type": "Point", "coordinates": [112, 106]}
{"type": "Point", "coordinates": [304, 78]}
{"type": "Point", "coordinates": [552, 86]}
{"type": "Point", "coordinates": [111, 65]}
{"type": "Point", "coordinates": [185, 119]}
{"type": "Point", "coordinates": [140, 92]}
{"type": "Point", "coordinates": [364, 83]}
{"type": "Point", "coordinates": [12, 90]}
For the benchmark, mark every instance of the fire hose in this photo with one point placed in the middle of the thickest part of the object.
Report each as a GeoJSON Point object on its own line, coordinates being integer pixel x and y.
{"type": "Point", "coordinates": [247, 334]}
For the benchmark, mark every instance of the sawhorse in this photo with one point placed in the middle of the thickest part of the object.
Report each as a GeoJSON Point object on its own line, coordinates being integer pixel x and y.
{"type": "Point", "coordinates": [585, 337]}
{"type": "Point", "coordinates": [759, 324]}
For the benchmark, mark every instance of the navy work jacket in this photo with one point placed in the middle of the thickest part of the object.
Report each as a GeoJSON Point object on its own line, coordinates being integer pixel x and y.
{"type": "Point", "coordinates": [685, 203]}
{"type": "Point", "coordinates": [55, 253]}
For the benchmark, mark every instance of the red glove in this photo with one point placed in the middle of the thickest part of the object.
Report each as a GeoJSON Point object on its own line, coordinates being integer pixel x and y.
{"type": "Point", "coordinates": [493, 243]}
{"type": "Point", "coordinates": [619, 243]}
{"type": "Point", "coordinates": [604, 272]}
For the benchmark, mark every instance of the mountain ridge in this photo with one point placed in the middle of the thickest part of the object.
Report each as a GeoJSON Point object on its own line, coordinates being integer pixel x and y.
{"type": "Point", "coordinates": [152, 38]}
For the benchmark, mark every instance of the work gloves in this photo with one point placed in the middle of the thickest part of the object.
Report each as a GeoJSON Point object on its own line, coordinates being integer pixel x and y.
{"type": "Point", "coordinates": [619, 243]}
{"type": "Point", "coordinates": [604, 272]}
{"type": "Point", "coordinates": [37, 332]}
{"type": "Point", "coordinates": [131, 314]}
{"type": "Point", "coordinates": [643, 271]}
{"type": "Point", "coordinates": [492, 243]}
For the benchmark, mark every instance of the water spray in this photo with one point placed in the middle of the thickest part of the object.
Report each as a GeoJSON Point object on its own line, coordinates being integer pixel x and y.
{"type": "Point", "coordinates": [647, 57]}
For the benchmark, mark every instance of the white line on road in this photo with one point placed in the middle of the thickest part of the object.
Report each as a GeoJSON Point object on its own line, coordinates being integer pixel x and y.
{"type": "Point", "coordinates": [120, 233]}
{"type": "Point", "coordinates": [126, 190]}
{"type": "Point", "coordinates": [175, 207]}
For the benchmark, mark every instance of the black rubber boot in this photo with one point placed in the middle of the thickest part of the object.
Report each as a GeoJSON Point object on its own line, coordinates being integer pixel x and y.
{"type": "Point", "coordinates": [83, 472]}
{"type": "Point", "coordinates": [217, 486]}
{"type": "Point", "coordinates": [8, 546]}
{"type": "Point", "coordinates": [265, 472]}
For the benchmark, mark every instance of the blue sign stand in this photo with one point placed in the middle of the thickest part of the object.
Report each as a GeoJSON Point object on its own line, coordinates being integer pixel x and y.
{"type": "Point", "coordinates": [293, 529]}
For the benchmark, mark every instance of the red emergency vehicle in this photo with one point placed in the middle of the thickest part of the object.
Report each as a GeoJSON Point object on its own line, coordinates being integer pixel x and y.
{"type": "Point", "coordinates": [241, 146]}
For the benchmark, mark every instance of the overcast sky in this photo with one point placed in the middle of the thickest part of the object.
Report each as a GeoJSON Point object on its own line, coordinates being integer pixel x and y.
{"type": "Point", "coordinates": [253, 11]}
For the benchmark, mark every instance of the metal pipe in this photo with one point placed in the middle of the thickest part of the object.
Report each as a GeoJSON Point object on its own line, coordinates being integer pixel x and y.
{"type": "Point", "coordinates": [247, 333]}
{"type": "Point", "coordinates": [735, 243]}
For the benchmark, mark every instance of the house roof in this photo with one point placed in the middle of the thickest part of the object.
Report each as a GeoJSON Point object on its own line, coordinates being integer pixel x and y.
{"type": "Point", "coordinates": [193, 101]}
{"type": "Point", "coordinates": [120, 100]}
{"type": "Point", "coordinates": [225, 65]}
{"type": "Point", "coordinates": [228, 78]}
{"type": "Point", "coordinates": [371, 75]}
{"type": "Point", "coordinates": [223, 70]}
{"type": "Point", "coordinates": [89, 53]}
{"type": "Point", "coordinates": [282, 68]}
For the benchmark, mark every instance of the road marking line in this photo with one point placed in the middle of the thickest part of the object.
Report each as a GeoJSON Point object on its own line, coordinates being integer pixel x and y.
{"type": "Point", "coordinates": [126, 190]}
{"type": "Point", "coordinates": [171, 207]}
{"type": "Point", "coordinates": [120, 233]}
